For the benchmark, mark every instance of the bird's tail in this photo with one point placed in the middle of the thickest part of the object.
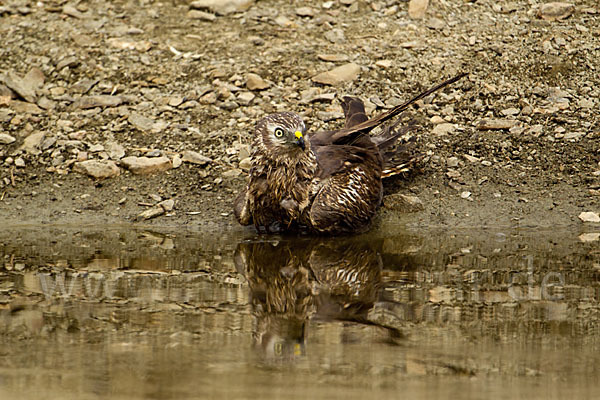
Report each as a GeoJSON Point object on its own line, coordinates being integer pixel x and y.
{"type": "Point", "coordinates": [398, 149]}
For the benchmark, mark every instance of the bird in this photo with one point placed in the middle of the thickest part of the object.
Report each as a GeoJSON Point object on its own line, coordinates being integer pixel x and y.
{"type": "Point", "coordinates": [326, 182]}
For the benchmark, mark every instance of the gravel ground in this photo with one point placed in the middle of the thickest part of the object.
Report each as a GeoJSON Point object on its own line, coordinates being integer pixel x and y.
{"type": "Point", "coordinates": [121, 111]}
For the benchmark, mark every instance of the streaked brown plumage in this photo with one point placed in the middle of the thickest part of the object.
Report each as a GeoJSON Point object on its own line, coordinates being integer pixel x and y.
{"type": "Point", "coordinates": [328, 182]}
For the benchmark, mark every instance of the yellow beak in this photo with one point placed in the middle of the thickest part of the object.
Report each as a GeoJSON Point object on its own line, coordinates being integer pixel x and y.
{"type": "Point", "coordinates": [298, 134]}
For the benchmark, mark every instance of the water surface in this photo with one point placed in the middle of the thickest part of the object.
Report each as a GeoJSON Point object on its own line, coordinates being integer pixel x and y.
{"type": "Point", "coordinates": [114, 312]}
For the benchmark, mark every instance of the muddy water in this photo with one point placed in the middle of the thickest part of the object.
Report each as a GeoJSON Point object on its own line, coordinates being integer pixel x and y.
{"type": "Point", "coordinates": [130, 314]}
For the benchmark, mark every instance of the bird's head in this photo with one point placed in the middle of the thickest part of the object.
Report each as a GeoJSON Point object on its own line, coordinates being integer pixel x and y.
{"type": "Point", "coordinates": [283, 132]}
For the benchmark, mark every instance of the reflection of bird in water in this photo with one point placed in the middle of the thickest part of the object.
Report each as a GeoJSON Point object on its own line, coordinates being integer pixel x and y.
{"type": "Point", "coordinates": [294, 281]}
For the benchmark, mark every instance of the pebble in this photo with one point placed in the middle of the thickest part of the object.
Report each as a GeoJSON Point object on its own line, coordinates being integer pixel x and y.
{"type": "Point", "coordinates": [24, 89]}
{"type": "Point", "coordinates": [333, 57]}
{"type": "Point", "coordinates": [443, 129]}
{"type": "Point", "coordinates": [589, 216]}
{"type": "Point", "coordinates": [245, 98]}
{"type": "Point", "coordinates": [22, 107]}
{"type": "Point", "coordinates": [510, 111]}
{"type": "Point", "coordinates": [436, 119]}
{"type": "Point", "coordinates": [465, 195]}
{"type": "Point", "coordinates": [5, 138]}
{"type": "Point", "coordinates": [86, 102]}
{"type": "Point", "coordinates": [403, 203]}
{"type": "Point", "coordinates": [175, 101]}
{"type": "Point", "coordinates": [177, 161]}
{"type": "Point", "coordinates": [69, 62]}
{"type": "Point", "coordinates": [32, 143]}
{"type": "Point", "coordinates": [222, 7]}
{"type": "Point", "coordinates": [496, 124]}
{"type": "Point", "coordinates": [344, 73]}
{"type": "Point", "coordinates": [19, 162]}
{"type": "Point", "coordinates": [201, 15]}
{"type": "Point", "coordinates": [452, 162]}
{"type": "Point", "coordinates": [83, 86]}
{"type": "Point", "coordinates": [141, 122]}
{"type": "Point", "coordinates": [305, 12]}
{"type": "Point", "coordinates": [255, 82]}
{"type": "Point", "coordinates": [555, 11]}
{"type": "Point", "coordinates": [435, 23]}
{"type": "Point", "coordinates": [115, 151]}
{"type": "Point", "coordinates": [384, 63]}
{"type": "Point", "coordinates": [146, 165]}
{"type": "Point", "coordinates": [335, 36]}
{"type": "Point", "coordinates": [194, 157]}
{"type": "Point", "coordinates": [417, 8]}
{"type": "Point", "coordinates": [98, 169]}
{"type": "Point", "coordinates": [589, 237]}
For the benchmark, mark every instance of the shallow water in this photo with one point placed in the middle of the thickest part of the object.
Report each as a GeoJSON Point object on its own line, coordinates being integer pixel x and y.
{"type": "Point", "coordinates": [121, 313]}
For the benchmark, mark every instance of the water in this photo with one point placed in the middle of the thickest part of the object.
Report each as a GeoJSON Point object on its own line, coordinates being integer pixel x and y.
{"type": "Point", "coordinates": [133, 314]}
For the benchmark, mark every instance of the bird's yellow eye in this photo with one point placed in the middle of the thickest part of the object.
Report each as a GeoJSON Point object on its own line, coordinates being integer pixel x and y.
{"type": "Point", "coordinates": [278, 132]}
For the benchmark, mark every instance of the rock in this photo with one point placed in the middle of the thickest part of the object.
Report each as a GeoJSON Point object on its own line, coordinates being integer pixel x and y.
{"type": "Point", "coordinates": [245, 163]}
{"type": "Point", "coordinates": [71, 11]}
{"type": "Point", "coordinates": [245, 98]}
{"type": "Point", "coordinates": [84, 85]}
{"type": "Point", "coordinates": [573, 135]}
{"type": "Point", "coordinates": [284, 21]}
{"type": "Point", "coordinates": [435, 23]}
{"type": "Point", "coordinates": [5, 138]}
{"type": "Point", "coordinates": [86, 102]}
{"type": "Point", "coordinates": [443, 129]}
{"type": "Point", "coordinates": [32, 143]}
{"type": "Point", "coordinates": [384, 63]}
{"type": "Point", "coordinates": [98, 169]}
{"type": "Point", "coordinates": [141, 122]}
{"type": "Point", "coordinates": [305, 12]}
{"type": "Point", "coordinates": [19, 162]}
{"type": "Point", "coordinates": [69, 62]}
{"type": "Point", "coordinates": [146, 165]}
{"type": "Point", "coordinates": [222, 7]}
{"type": "Point", "coordinates": [255, 82]}
{"type": "Point", "coordinates": [201, 15]}
{"type": "Point", "coordinates": [555, 11]}
{"type": "Point", "coordinates": [20, 86]}
{"type": "Point", "coordinates": [436, 119]}
{"type": "Point", "coordinates": [510, 111]}
{"type": "Point", "coordinates": [167, 205]}
{"type": "Point", "coordinates": [343, 73]}
{"type": "Point", "coordinates": [175, 101]}
{"type": "Point", "coordinates": [589, 217]}
{"type": "Point", "coordinates": [403, 203]}
{"type": "Point", "coordinates": [452, 162]}
{"type": "Point", "coordinates": [465, 195]}
{"type": "Point", "coordinates": [142, 46]}
{"type": "Point", "coordinates": [22, 107]}
{"type": "Point", "coordinates": [417, 8]}
{"type": "Point", "coordinates": [335, 36]}
{"type": "Point", "coordinates": [333, 57]}
{"type": "Point", "coordinates": [115, 151]}
{"type": "Point", "coordinates": [589, 237]}
{"type": "Point", "coordinates": [195, 158]}
{"type": "Point", "coordinates": [496, 124]}
{"type": "Point", "coordinates": [150, 213]}
{"type": "Point", "coordinates": [177, 161]}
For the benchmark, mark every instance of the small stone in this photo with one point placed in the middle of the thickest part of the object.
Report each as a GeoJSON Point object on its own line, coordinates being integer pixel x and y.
{"type": "Point", "coordinates": [590, 237]}
{"type": "Point", "coordinates": [305, 12]}
{"type": "Point", "coordinates": [195, 158]}
{"type": "Point", "coordinates": [335, 36]}
{"type": "Point", "coordinates": [20, 86]}
{"type": "Point", "coordinates": [589, 216]}
{"type": "Point", "coordinates": [510, 111]}
{"type": "Point", "coordinates": [115, 151]}
{"type": "Point", "coordinates": [32, 143]}
{"type": "Point", "coordinates": [436, 119]}
{"type": "Point", "coordinates": [23, 107]}
{"type": "Point", "coordinates": [417, 8]}
{"type": "Point", "coordinates": [69, 62]}
{"type": "Point", "coordinates": [141, 122]}
{"type": "Point", "coordinates": [86, 102]}
{"type": "Point", "coordinates": [245, 98]}
{"type": "Point", "coordinates": [574, 135]}
{"type": "Point", "coordinates": [97, 169]}
{"type": "Point", "coordinates": [443, 129]}
{"type": "Point", "coordinates": [470, 158]}
{"type": "Point", "coordinates": [245, 163]}
{"type": "Point", "coordinates": [435, 23]}
{"type": "Point", "coordinates": [222, 7]}
{"type": "Point", "coordinates": [150, 213]}
{"type": "Point", "coordinates": [96, 148]}
{"type": "Point", "coordinates": [452, 162]}
{"type": "Point", "coordinates": [384, 63]}
{"type": "Point", "coordinates": [255, 82]}
{"type": "Point", "coordinates": [332, 57]}
{"type": "Point", "coordinates": [142, 46]}
{"type": "Point", "coordinates": [343, 73]}
{"type": "Point", "coordinates": [19, 162]}
{"type": "Point", "coordinates": [5, 138]}
{"type": "Point", "coordinates": [403, 203]}
{"type": "Point", "coordinates": [284, 21]}
{"type": "Point", "coordinates": [175, 101]}
{"type": "Point", "coordinates": [496, 124]}
{"type": "Point", "coordinates": [465, 195]}
{"type": "Point", "coordinates": [71, 11]}
{"type": "Point", "coordinates": [555, 11]}
{"type": "Point", "coordinates": [201, 15]}
{"type": "Point", "coordinates": [167, 205]}
{"type": "Point", "coordinates": [177, 161]}
{"type": "Point", "coordinates": [146, 165]}
{"type": "Point", "coordinates": [232, 173]}
{"type": "Point", "coordinates": [84, 85]}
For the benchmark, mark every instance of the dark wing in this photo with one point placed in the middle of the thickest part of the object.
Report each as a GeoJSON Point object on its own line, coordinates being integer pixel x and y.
{"type": "Point", "coordinates": [354, 111]}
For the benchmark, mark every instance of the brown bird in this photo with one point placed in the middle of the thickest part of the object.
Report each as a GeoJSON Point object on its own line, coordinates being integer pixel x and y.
{"type": "Point", "coordinates": [327, 182]}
